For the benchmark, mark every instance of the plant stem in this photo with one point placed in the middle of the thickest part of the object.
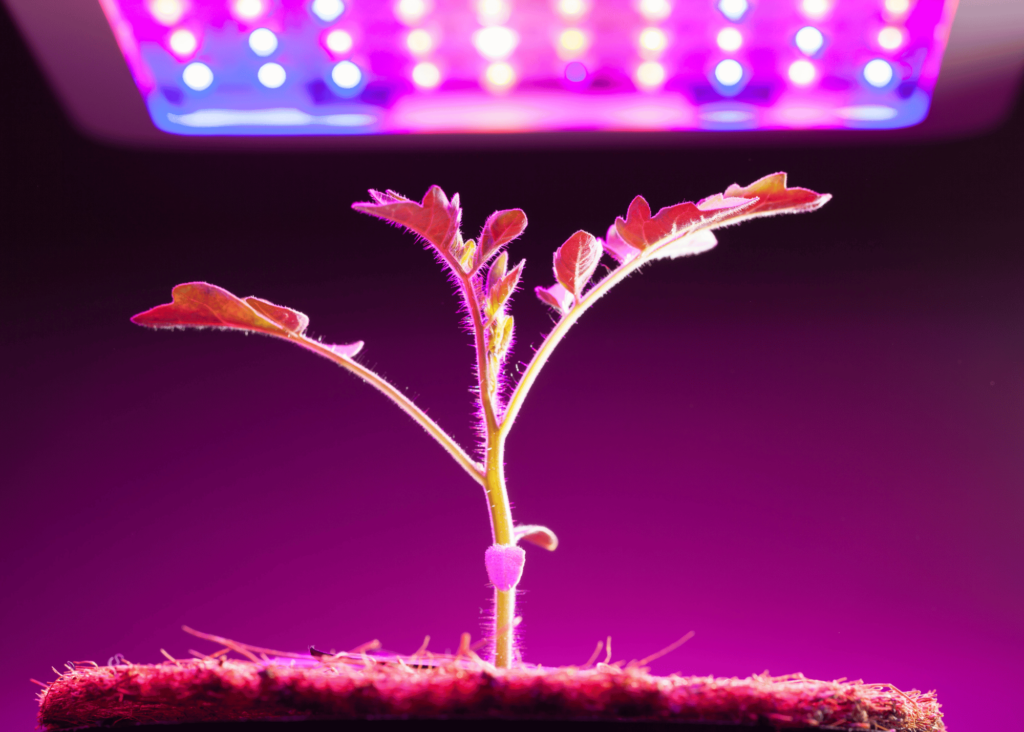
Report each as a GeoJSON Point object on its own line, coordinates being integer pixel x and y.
{"type": "Point", "coordinates": [494, 481]}
{"type": "Point", "coordinates": [475, 470]}
{"type": "Point", "coordinates": [515, 402]}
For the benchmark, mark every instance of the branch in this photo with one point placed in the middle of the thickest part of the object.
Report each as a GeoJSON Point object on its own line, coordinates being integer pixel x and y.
{"type": "Point", "coordinates": [473, 468]}
{"type": "Point", "coordinates": [555, 337]}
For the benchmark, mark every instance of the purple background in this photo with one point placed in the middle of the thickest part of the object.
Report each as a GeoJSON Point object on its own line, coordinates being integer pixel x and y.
{"type": "Point", "coordinates": [807, 445]}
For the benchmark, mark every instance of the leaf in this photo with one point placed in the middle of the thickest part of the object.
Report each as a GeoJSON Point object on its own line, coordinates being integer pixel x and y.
{"type": "Point", "coordinates": [501, 228]}
{"type": "Point", "coordinates": [698, 242]}
{"type": "Point", "coordinates": [502, 291]}
{"type": "Point", "coordinates": [773, 197]}
{"type": "Point", "coordinates": [642, 231]}
{"type": "Point", "coordinates": [576, 261]}
{"type": "Point", "coordinates": [617, 248]}
{"type": "Point", "coordinates": [202, 305]}
{"type": "Point", "coordinates": [556, 296]}
{"type": "Point", "coordinates": [496, 273]}
{"type": "Point", "coordinates": [542, 536]}
{"type": "Point", "coordinates": [435, 218]}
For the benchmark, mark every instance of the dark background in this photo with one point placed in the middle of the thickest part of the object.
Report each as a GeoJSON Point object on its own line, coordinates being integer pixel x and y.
{"type": "Point", "coordinates": [806, 445]}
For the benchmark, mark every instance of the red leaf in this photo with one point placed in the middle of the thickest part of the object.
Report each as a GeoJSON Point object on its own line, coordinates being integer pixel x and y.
{"type": "Point", "coordinates": [501, 228]}
{"type": "Point", "coordinates": [435, 219]}
{"type": "Point", "coordinates": [773, 197]}
{"type": "Point", "coordinates": [556, 296]}
{"type": "Point", "coordinates": [540, 535]}
{"type": "Point", "coordinates": [202, 305]}
{"type": "Point", "coordinates": [618, 249]}
{"type": "Point", "coordinates": [576, 261]}
{"type": "Point", "coordinates": [642, 231]}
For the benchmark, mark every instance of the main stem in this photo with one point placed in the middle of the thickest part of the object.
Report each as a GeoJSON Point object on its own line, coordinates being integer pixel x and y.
{"type": "Point", "coordinates": [494, 483]}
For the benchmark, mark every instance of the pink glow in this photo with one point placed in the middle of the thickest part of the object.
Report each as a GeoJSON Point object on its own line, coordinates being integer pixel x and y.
{"type": "Point", "coordinates": [434, 66]}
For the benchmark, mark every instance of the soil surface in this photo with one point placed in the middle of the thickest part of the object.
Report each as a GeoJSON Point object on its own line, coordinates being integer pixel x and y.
{"type": "Point", "coordinates": [205, 693]}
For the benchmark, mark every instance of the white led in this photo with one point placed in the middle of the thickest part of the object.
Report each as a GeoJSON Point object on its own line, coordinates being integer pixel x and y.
{"type": "Point", "coordinates": [802, 72]}
{"type": "Point", "coordinates": [419, 42]}
{"type": "Point", "coordinates": [729, 72]}
{"type": "Point", "coordinates": [496, 43]}
{"type": "Point", "coordinates": [197, 76]}
{"type": "Point", "coordinates": [816, 9]}
{"type": "Point", "coordinates": [425, 75]}
{"type": "Point", "coordinates": [327, 10]}
{"type": "Point", "coordinates": [248, 9]}
{"type": "Point", "coordinates": [166, 12]}
{"type": "Point", "coordinates": [729, 39]}
{"type": "Point", "coordinates": [890, 38]}
{"type": "Point", "coordinates": [262, 41]}
{"type": "Point", "coordinates": [183, 43]}
{"type": "Point", "coordinates": [493, 12]}
{"type": "Point", "coordinates": [572, 41]}
{"type": "Point", "coordinates": [571, 9]}
{"type": "Point", "coordinates": [271, 75]}
{"type": "Point", "coordinates": [410, 12]}
{"type": "Point", "coordinates": [653, 40]}
{"type": "Point", "coordinates": [878, 73]}
{"type": "Point", "coordinates": [338, 41]}
{"type": "Point", "coordinates": [346, 75]}
{"type": "Point", "coordinates": [650, 74]}
{"type": "Point", "coordinates": [734, 10]}
{"type": "Point", "coordinates": [809, 40]}
{"type": "Point", "coordinates": [655, 9]}
{"type": "Point", "coordinates": [499, 76]}
{"type": "Point", "coordinates": [897, 7]}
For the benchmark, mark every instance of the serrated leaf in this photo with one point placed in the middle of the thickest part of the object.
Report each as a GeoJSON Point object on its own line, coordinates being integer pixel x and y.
{"type": "Point", "coordinates": [773, 197]}
{"type": "Point", "coordinates": [202, 305]}
{"type": "Point", "coordinates": [575, 262]}
{"type": "Point", "coordinates": [617, 248]}
{"type": "Point", "coordinates": [435, 218]}
{"type": "Point", "coordinates": [556, 296]}
{"type": "Point", "coordinates": [500, 228]}
{"type": "Point", "coordinates": [542, 536]}
{"type": "Point", "coordinates": [642, 231]}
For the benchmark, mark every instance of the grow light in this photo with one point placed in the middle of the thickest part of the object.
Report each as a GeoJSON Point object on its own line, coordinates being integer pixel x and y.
{"type": "Point", "coordinates": [215, 67]}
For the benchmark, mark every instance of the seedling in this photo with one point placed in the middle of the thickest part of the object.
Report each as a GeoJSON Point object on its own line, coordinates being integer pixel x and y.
{"type": "Point", "coordinates": [486, 281]}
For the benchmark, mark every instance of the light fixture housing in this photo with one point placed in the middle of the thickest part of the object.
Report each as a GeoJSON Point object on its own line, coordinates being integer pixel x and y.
{"type": "Point", "coordinates": [530, 91]}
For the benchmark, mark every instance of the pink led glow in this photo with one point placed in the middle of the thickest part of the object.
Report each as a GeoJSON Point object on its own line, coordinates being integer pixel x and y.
{"type": "Point", "coordinates": [338, 42]}
{"type": "Point", "coordinates": [890, 38]}
{"type": "Point", "coordinates": [247, 10]}
{"type": "Point", "coordinates": [419, 42]}
{"type": "Point", "coordinates": [722, 64]}
{"type": "Point", "coordinates": [572, 10]}
{"type": "Point", "coordinates": [166, 12]}
{"type": "Point", "coordinates": [654, 10]}
{"type": "Point", "coordinates": [572, 42]}
{"type": "Point", "coordinates": [493, 12]}
{"type": "Point", "coordinates": [897, 8]}
{"type": "Point", "coordinates": [411, 12]}
{"type": "Point", "coordinates": [815, 9]}
{"type": "Point", "coordinates": [426, 75]}
{"type": "Point", "coordinates": [183, 43]}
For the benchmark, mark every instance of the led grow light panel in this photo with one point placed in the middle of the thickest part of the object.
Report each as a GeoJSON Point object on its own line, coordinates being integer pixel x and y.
{"type": "Point", "coordinates": [215, 67]}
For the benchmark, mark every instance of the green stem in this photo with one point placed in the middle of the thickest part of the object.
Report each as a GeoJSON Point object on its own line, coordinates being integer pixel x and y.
{"type": "Point", "coordinates": [494, 482]}
{"type": "Point", "coordinates": [473, 468]}
{"type": "Point", "coordinates": [515, 402]}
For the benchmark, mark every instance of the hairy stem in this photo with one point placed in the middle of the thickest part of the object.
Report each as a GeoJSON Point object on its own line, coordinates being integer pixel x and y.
{"type": "Point", "coordinates": [494, 481]}
{"type": "Point", "coordinates": [551, 341]}
{"type": "Point", "coordinates": [475, 470]}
